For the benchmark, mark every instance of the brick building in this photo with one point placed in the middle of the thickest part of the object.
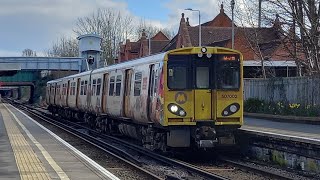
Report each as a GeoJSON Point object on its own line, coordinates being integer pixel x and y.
{"type": "Point", "coordinates": [255, 44]}
{"type": "Point", "coordinates": [131, 50]}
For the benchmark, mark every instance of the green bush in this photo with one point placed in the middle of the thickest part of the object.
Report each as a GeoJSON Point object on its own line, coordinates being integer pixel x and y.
{"type": "Point", "coordinates": [255, 105]}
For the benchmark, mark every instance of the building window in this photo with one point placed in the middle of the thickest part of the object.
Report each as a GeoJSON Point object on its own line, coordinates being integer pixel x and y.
{"type": "Point", "coordinates": [137, 83]}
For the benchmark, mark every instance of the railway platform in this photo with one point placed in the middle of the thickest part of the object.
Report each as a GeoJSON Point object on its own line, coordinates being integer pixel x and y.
{"type": "Point", "coordinates": [30, 151]}
{"type": "Point", "coordinates": [301, 132]}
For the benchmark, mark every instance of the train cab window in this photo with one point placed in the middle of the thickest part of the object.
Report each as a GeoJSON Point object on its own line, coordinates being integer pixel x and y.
{"type": "Point", "coordinates": [98, 87]}
{"type": "Point", "coordinates": [228, 72]}
{"type": "Point", "coordinates": [118, 85]}
{"type": "Point", "coordinates": [111, 86]}
{"type": "Point", "coordinates": [179, 72]}
{"type": "Point", "coordinates": [229, 78]}
{"type": "Point", "coordinates": [202, 77]}
{"type": "Point", "coordinates": [137, 83]}
{"type": "Point", "coordinates": [177, 77]}
{"type": "Point", "coordinates": [93, 90]}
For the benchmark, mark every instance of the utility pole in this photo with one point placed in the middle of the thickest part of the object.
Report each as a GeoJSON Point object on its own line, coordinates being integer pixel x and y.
{"type": "Point", "coordinates": [232, 36]}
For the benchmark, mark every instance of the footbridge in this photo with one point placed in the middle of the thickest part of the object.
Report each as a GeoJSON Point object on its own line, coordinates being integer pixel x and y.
{"type": "Point", "coordinates": [43, 63]}
{"type": "Point", "coordinates": [26, 71]}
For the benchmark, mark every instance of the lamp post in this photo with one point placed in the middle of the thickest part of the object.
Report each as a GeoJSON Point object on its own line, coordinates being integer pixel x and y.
{"type": "Point", "coordinates": [232, 35]}
{"type": "Point", "coordinates": [189, 9]}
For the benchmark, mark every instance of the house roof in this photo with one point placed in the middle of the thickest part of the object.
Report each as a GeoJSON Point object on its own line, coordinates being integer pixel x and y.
{"type": "Point", "coordinates": [157, 46]}
{"type": "Point", "coordinates": [209, 35]}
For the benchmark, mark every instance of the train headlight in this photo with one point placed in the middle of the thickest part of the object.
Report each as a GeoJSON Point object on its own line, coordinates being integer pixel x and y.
{"type": "Point", "coordinates": [203, 49]}
{"type": "Point", "coordinates": [182, 113]}
{"type": "Point", "coordinates": [176, 110]}
{"type": "Point", "coordinates": [233, 108]}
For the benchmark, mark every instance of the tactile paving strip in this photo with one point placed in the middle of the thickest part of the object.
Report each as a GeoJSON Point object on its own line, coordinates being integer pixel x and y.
{"type": "Point", "coordinates": [29, 165]}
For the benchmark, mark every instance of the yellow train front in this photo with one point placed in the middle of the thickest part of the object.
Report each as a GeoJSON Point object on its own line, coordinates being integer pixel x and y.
{"type": "Point", "coordinates": [203, 96]}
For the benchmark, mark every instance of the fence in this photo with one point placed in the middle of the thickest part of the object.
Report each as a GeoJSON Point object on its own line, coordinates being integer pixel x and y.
{"type": "Point", "coordinates": [303, 90]}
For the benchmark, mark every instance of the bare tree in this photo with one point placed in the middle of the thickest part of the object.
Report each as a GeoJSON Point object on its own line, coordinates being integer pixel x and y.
{"type": "Point", "coordinates": [64, 47]}
{"type": "Point", "coordinates": [112, 26]}
{"type": "Point", "coordinates": [300, 21]}
{"type": "Point", "coordinates": [297, 29]}
{"type": "Point", "coordinates": [151, 30]}
{"type": "Point", "coordinates": [29, 53]}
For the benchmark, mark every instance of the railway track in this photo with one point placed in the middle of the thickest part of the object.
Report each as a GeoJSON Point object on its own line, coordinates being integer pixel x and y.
{"type": "Point", "coordinates": [146, 161]}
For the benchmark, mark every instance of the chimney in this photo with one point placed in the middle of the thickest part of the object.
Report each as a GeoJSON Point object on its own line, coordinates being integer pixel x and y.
{"type": "Point", "coordinates": [143, 36]}
{"type": "Point", "coordinates": [221, 9]}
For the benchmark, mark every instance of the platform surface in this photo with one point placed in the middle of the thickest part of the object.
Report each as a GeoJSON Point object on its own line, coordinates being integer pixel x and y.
{"type": "Point", "coordinates": [306, 132]}
{"type": "Point", "coordinates": [30, 151]}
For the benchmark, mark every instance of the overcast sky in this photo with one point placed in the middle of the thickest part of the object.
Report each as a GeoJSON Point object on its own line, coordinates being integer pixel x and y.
{"type": "Point", "coordinates": [36, 24]}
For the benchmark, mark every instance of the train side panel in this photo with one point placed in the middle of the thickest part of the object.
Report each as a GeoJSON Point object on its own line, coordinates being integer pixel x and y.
{"type": "Point", "coordinates": [115, 93]}
{"type": "Point", "coordinates": [57, 97]}
{"type": "Point", "coordinates": [83, 84]}
{"type": "Point", "coordinates": [72, 93]}
{"type": "Point", "coordinates": [96, 94]}
{"type": "Point", "coordinates": [64, 92]}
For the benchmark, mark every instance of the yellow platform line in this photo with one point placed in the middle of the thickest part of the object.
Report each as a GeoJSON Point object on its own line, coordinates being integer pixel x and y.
{"type": "Point", "coordinates": [29, 166]}
{"type": "Point", "coordinates": [47, 156]}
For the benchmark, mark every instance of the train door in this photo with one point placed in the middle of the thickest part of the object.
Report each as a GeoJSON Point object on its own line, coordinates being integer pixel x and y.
{"type": "Point", "coordinates": [77, 95]}
{"type": "Point", "coordinates": [104, 93]}
{"type": "Point", "coordinates": [202, 92]}
{"type": "Point", "coordinates": [67, 93]}
{"type": "Point", "coordinates": [55, 93]}
{"type": "Point", "coordinates": [150, 91]}
{"type": "Point", "coordinates": [127, 90]}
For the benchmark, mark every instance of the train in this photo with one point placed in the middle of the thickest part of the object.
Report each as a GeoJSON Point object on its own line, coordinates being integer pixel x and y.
{"type": "Point", "coordinates": [190, 97]}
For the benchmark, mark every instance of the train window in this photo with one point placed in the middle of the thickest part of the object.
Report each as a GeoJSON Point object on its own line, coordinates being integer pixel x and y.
{"type": "Point", "coordinates": [151, 83]}
{"type": "Point", "coordinates": [85, 87]}
{"type": "Point", "coordinates": [137, 83]}
{"type": "Point", "coordinates": [118, 85]}
{"type": "Point", "coordinates": [65, 89]}
{"type": "Point", "coordinates": [202, 77]}
{"type": "Point", "coordinates": [93, 90]}
{"type": "Point", "coordinates": [155, 85]}
{"type": "Point", "coordinates": [177, 76]}
{"type": "Point", "coordinates": [73, 88]}
{"type": "Point", "coordinates": [98, 87]}
{"type": "Point", "coordinates": [229, 77]}
{"type": "Point", "coordinates": [111, 86]}
{"type": "Point", "coordinates": [81, 87]}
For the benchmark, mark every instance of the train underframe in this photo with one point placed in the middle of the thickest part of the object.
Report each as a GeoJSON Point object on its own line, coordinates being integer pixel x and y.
{"type": "Point", "coordinates": [153, 137]}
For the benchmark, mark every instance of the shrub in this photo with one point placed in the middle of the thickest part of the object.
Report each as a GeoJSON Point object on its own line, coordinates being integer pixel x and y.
{"type": "Point", "coordinates": [253, 105]}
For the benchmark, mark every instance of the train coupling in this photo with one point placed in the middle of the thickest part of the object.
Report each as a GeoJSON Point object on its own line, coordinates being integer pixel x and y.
{"type": "Point", "coordinates": [206, 137]}
{"type": "Point", "coordinates": [207, 143]}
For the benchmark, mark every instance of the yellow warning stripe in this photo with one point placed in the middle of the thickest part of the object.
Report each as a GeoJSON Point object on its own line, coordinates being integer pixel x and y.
{"type": "Point", "coordinates": [29, 165]}
{"type": "Point", "coordinates": [62, 175]}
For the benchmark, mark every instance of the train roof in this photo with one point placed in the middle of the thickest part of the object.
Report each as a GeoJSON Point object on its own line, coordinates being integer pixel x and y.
{"type": "Point", "coordinates": [126, 64]}
{"type": "Point", "coordinates": [134, 62]}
